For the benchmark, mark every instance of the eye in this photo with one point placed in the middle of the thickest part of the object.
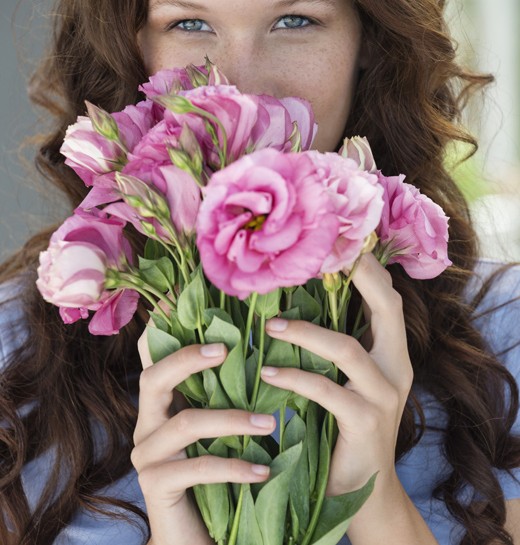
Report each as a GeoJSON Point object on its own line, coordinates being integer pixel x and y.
{"type": "Point", "coordinates": [288, 22]}
{"type": "Point", "coordinates": [191, 25]}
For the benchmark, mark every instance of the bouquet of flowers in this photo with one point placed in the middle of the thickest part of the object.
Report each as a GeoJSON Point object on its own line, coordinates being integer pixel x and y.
{"type": "Point", "coordinates": [243, 223]}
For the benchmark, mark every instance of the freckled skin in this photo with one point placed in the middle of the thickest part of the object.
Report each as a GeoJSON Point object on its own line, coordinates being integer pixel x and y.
{"type": "Point", "coordinates": [317, 62]}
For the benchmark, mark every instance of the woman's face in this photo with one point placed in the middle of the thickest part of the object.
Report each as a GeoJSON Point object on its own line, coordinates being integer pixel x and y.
{"type": "Point", "coordinates": [303, 48]}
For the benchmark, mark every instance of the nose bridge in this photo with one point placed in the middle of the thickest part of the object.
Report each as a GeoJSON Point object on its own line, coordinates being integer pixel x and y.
{"type": "Point", "coordinates": [244, 61]}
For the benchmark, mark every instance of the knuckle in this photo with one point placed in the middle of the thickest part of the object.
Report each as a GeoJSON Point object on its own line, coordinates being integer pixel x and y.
{"type": "Point", "coordinates": [183, 422]}
{"type": "Point", "coordinates": [135, 457]}
{"type": "Point", "coordinates": [147, 380]}
{"type": "Point", "coordinates": [350, 349]}
{"type": "Point", "coordinates": [203, 465]}
{"type": "Point", "coordinates": [149, 480]}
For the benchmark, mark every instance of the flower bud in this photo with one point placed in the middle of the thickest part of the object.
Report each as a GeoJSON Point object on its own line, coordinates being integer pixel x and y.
{"type": "Point", "coordinates": [370, 243]}
{"type": "Point", "coordinates": [359, 150]}
{"type": "Point", "coordinates": [103, 123]}
{"type": "Point", "coordinates": [146, 200]}
{"type": "Point", "coordinates": [296, 139]}
{"type": "Point", "coordinates": [176, 103]}
{"type": "Point", "coordinates": [215, 76]}
{"type": "Point", "coordinates": [332, 282]}
{"type": "Point", "coordinates": [197, 77]}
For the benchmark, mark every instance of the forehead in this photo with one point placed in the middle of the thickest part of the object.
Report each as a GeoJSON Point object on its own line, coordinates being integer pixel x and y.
{"type": "Point", "coordinates": [206, 5]}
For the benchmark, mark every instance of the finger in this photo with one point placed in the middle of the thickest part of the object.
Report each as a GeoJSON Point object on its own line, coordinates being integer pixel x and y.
{"type": "Point", "coordinates": [171, 478]}
{"type": "Point", "coordinates": [191, 425]}
{"type": "Point", "coordinates": [158, 381]}
{"type": "Point", "coordinates": [344, 351]}
{"type": "Point", "coordinates": [343, 403]}
{"type": "Point", "coordinates": [385, 305]}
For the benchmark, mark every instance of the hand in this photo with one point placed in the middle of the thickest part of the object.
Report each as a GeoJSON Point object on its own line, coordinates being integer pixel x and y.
{"type": "Point", "coordinates": [165, 472]}
{"type": "Point", "coordinates": [369, 407]}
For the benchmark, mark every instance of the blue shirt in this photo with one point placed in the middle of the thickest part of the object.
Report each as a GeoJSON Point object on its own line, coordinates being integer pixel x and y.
{"type": "Point", "coordinates": [419, 470]}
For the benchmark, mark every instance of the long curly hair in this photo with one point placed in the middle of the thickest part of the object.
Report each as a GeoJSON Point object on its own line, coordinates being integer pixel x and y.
{"type": "Point", "coordinates": [60, 380]}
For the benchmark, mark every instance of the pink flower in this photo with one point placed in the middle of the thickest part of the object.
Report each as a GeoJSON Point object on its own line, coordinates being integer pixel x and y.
{"type": "Point", "coordinates": [359, 150]}
{"type": "Point", "coordinates": [72, 272]}
{"type": "Point", "coordinates": [150, 162]}
{"type": "Point", "coordinates": [237, 115]}
{"type": "Point", "coordinates": [274, 125]}
{"type": "Point", "coordinates": [265, 222]}
{"type": "Point", "coordinates": [166, 82]}
{"type": "Point", "coordinates": [358, 202]}
{"type": "Point", "coordinates": [91, 155]}
{"type": "Point", "coordinates": [413, 230]}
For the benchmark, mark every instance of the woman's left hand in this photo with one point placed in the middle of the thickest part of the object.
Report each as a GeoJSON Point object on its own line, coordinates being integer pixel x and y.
{"type": "Point", "coordinates": [369, 407]}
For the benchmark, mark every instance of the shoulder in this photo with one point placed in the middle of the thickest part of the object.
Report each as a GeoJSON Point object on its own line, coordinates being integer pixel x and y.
{"type": "Point", "coordinates": [12, 330]}
{"type": "Point", "coordinates": [497, 313]}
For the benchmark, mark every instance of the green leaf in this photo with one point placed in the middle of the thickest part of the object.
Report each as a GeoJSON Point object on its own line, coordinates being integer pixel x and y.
{"type": "Point", "coordinates": [337, 512]}
{"type": "Point", "coordinates": [157, 273]}
{"type": "Point", "coordinates": [217, 500]}
{"type": "Point", "coordinates": [255, 454]}
{"type": "Point", "coordinates": [271, 503]}
{"type": "Point", "coordinates": [154, 250]}
{"type": "Point", "coordinates": [160, 322]}
{"type": "Point", "coordinates": [233, 442]}
{"type": "Point", "coordinates": [216, 395]}
{"type": "Point", "coordinates": [267, 305]}
{"type": "Point", "coordinates": [193, 388]}
{"type": "Point", "coordinates": [312, 443]}
{"type": "Point", "coordinates": [312, 362]}
{"type": "Point", "coordinates": [282, 354]}
{"type": "Point", "coordinates": [233, 377]}
{"type": "Point", "coordinates": [161, 344]}
{"type": "Point", "coordinates": [191, 303]}
{"type": "Point", "coordinates": [210, 313]}
{"type": "Point", "coordinates": [295, 433]}
{"type": "Point", "coordinates": [185, 335]}
{"type": "Point", "coordinates": [238, 311]}
{"type": "Point", "coordinates": [251, 364]}
{"type": "Point", "coordinates": [248, 527]}
{"type": "Point", "coordinates": [309, 307]}
{"type": "Point", "coordinates": [270, 398]}
{"type": "Point", "coordinates": [221, 331]}
{"type": "Point", "coordinates": [298, 403]}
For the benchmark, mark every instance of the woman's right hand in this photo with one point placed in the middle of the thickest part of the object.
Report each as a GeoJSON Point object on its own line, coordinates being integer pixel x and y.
{"type": "Point", "coordinates": [165, 472]}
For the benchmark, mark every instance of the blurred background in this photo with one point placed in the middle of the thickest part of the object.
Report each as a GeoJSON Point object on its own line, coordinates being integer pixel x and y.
{"type": "Point", "coordinates": [489, 40]}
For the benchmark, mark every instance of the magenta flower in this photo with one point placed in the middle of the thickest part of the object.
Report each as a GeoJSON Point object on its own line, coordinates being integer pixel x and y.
{"type": "Point", "coordinates": [358, 202]}
{"type": "Point", "coordinates": [166, 82]}
{"type": "Point", "coordinates": [266, 221]}
{"type": "Point", "coordinates": [72, 272]}
{"type": "Point", "coordinates": [413, 230]}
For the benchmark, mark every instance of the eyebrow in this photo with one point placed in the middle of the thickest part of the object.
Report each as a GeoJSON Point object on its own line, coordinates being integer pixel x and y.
{"type": "Point", "coordinates": [192, 5]}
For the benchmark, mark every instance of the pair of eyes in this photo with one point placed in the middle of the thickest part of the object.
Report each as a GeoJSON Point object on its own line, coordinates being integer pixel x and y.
{"type": "Point", "coordinates": [287, 22]}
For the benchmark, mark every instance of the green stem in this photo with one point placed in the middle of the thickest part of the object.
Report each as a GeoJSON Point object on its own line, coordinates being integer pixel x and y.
{"type": "Point", "coordinates": [333, 309]}
{"type": "Point", "coordinates": [322, 486]}
{"type": "Point", "coordinates": [358, 320]}
{"type": "Point", "coordinates": [234, 529]}
{"type": "Point", "coordinates": [260, 362]}
{"type": "Point", "coordinates": [249, 323]}
{"type": "Point", "coordinates": [222, 300]}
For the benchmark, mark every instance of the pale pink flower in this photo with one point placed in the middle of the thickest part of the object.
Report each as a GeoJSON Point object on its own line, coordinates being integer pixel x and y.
{"type": "Point", "coordinates": [91, 155]}
{"type": "Point", "coordinates": [413, 230]}
{"type": "Point", "coordinates": [165, 82]}
{"type": "Point", "coordinates": [72, 271]}
{"type": "Point", "coordinates": [266, 221]}
{"type": "Point", "coordinates": [358, 202]}
{"type": "Point", "coordinates": [358, 149]}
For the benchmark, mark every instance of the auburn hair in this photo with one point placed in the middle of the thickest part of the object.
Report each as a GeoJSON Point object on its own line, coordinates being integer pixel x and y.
{"type": "Point", "coordinates": [61, 379]}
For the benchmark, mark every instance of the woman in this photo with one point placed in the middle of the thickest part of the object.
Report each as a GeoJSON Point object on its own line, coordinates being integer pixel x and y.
{"type": "Point", "coordinates": [72, 439]}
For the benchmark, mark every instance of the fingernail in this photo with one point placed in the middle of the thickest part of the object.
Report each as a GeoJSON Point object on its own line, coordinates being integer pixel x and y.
{"type": "Point", "coordinates": [212, 350]}
{"type": "Point", "coordinates": [277, 324]}
{"type": "Point", "coordinates": [260, 470]}
{"type": "Point", "coordinates": [269, 371]}
{"type": "Point", "coordinates": [262, 420]}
